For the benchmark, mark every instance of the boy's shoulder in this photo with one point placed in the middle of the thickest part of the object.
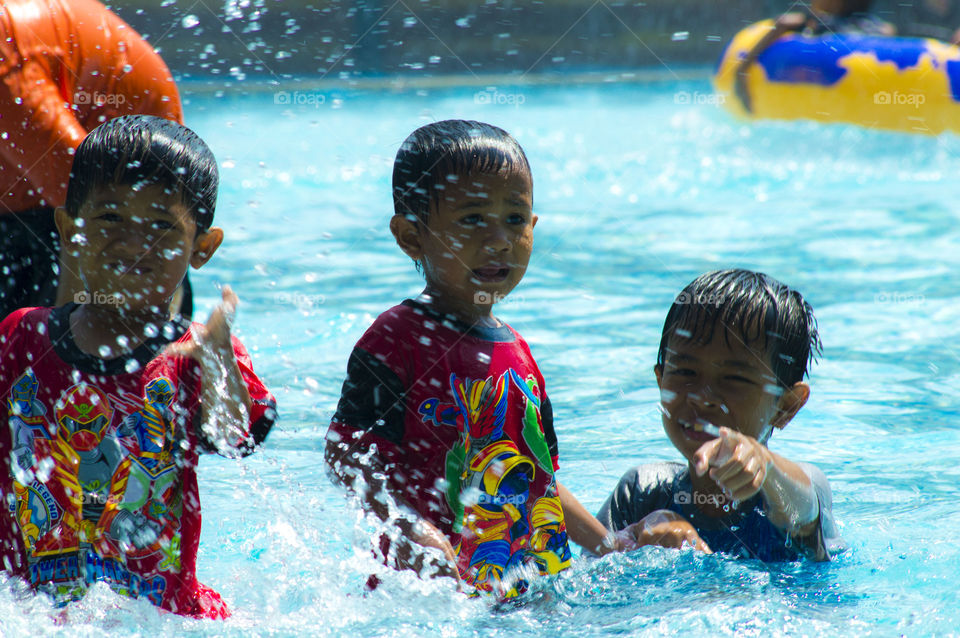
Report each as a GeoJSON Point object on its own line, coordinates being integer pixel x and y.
{"type": "Point", "coordinates": [649, 476]}
{"type": "Point", "coordinates": [23, 326]}
{"type": "Point", "coordinates": [412, 321]}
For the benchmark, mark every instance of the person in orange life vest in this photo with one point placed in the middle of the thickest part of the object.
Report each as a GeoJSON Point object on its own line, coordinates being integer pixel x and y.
{"type": "Point", "coordinates": [67, 66]}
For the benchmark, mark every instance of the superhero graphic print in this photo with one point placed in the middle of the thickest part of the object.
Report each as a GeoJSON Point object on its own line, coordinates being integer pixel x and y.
{"type": "Point", "coordinates": [95, 486]}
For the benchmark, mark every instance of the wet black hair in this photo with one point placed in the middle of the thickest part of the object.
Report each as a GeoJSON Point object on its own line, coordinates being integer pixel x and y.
{"type": "Point", "coordinates": [450, 147]}
{"type": "Point", "coordinates": [753, 307]}
{"type": "Point", "coordinates": [145, 150]}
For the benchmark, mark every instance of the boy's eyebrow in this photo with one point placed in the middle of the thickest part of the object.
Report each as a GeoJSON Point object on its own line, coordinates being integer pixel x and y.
{"type": "Point", "coordinates": [103, 203]}
{"type": "Point", "coordinates": [735, 363]}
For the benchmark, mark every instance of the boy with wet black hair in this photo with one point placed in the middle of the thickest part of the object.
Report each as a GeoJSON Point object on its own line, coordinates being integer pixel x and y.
{"type": "Point", "coordinates": [107, 401]}
{"type": "Point", "coordinates": [735, 347]}
{"type": "Point", "coordinates": [444, 427]}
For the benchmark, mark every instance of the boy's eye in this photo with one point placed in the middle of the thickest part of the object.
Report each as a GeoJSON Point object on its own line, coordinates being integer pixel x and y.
{"type": "Point", "coordinates": [681, 372]}
{"type": "Point", "coordinates": [161, 224]}
{"type": "Point", "coordinates": [109, 217]}
{"type": "Point", "coordinates": [739, 379]}
{"type": "Point", "coordinates": [517, 218]}
{"type": "Point", "coordinates": [471, 220]}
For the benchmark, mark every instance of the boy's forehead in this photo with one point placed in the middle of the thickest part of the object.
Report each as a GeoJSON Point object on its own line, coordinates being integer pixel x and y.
{"type": "Point", "coordinates": [485, 186]}
{"type": "Point", "coordinates": [724, 347]}
{"type": "Point", "coordinates": [151, 196]}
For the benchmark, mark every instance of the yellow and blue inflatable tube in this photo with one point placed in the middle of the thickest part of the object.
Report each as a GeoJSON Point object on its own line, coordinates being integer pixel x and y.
{"type": "Point", "coordinates": [901, 84]}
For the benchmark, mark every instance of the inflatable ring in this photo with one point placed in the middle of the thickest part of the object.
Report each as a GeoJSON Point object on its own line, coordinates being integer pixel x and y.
{"type": "Point", "coordinates": [901, 84]}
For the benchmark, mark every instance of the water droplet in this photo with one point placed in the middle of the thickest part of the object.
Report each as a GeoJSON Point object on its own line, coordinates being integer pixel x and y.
{"type": "Point", "coordinates": [132, 365]}
{"type": "Point", "coordinates": [190, 21]}
{"type": "Point", "coordinates": [104, 351]}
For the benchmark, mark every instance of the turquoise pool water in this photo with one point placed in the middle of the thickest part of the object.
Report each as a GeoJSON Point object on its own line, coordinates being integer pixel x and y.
{"type": "Point", "coordinates": [639, 188]}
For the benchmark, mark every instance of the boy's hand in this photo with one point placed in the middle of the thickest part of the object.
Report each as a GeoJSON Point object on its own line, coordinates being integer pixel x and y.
{"type": "Point", "coordinates": [224, 394]}
{"type": "Point", "coordinates": [425, 535]}
{"type": "Point", "coordinates": [737, 462]}
{"type": "Point", "coordinates": [663, 528]}
{"type": "Point", "coordinates": [212, 341]}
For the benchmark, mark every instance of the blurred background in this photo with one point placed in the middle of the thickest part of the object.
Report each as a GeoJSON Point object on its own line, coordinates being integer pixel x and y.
{"type": "Point", "coordinates": [415, 40]}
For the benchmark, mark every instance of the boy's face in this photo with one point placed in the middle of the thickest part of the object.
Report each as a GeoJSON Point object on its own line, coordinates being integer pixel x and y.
{"type": "Point", "coordinates": [133, 247]}
{"type": "Point", "coordinates": [724, 383]}
{"type": "Point", "coordinates": [477, 241]}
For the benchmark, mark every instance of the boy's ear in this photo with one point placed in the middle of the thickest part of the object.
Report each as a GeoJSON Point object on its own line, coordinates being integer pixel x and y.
{"type": "Point", "coordinates": [205, 245]}
{"type": "Point", "coordinates": [407, 235]}
{"type": "Point", "coordinates": [658, 372]}
{"type": "Point", "coordinates": [789, 404]}
{"type": "Point", "coordinates": [66, 226]}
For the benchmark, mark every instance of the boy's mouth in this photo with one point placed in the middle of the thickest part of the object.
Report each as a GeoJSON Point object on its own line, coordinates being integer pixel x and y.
{"type": "Point", "coordinates": [699, 430]}
{"type": "Point", "coordinates": [491, 274]}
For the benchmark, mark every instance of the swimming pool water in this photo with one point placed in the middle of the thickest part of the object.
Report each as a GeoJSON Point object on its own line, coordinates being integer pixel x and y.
{"type": "Point", "coordinates": [639, 188]}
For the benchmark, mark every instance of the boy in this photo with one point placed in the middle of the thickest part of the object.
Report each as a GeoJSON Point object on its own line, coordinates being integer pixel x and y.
{"type": "Point", "coordinates": [444, 415]}
{"type": "Point", "coordinates": [107, 399]}
{"type": "Point", "coordinates": [735, 347]}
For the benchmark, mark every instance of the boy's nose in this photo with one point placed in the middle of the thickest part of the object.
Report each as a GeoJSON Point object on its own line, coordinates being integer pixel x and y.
{"type": "Point", "coordinates": [497, 240]}
{"type": "Point", "coordinates": [706, 399]}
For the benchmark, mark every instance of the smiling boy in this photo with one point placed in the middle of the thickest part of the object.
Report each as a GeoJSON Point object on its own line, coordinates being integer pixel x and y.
{"type": "Point", "coordinates": [734, 350]}
{"type": "Point", "coordinates": [444, 427]}
{"type": "Point", "coordinates": [108, 400]}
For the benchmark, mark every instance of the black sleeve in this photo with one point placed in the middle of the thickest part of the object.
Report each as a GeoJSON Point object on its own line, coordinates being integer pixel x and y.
{"type": "Point", "coordinates": [642, 490]}
{"type": "Point", "coordinates": [372, 398]}
{"type": "Point", "coordinates": [549, 434]}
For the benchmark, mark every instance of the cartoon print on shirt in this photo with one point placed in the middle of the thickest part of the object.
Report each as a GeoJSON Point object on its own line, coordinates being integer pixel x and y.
{"type": "Point", "coordinates": [488, 484]}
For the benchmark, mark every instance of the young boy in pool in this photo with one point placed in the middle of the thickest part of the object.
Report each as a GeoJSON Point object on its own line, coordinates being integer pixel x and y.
{"type": "Point", "coordinates": [444, 427]}
{"type": "Point", "coordinates": [107, 400]}
{"type": "Point", "coordinates": [735, 347]}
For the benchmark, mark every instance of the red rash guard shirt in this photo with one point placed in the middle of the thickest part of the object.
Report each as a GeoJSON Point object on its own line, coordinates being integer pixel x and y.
{"type": "Point", "coordinates": [98, 463]}
{"type": "Point", "coordinates": [458, 418]}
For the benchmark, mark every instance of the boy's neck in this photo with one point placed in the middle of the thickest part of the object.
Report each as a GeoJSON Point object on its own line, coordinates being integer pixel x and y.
{"type": "Point", "coordinates": [108, 332]}
{"type": "Point", "coordinates": [468, 313]}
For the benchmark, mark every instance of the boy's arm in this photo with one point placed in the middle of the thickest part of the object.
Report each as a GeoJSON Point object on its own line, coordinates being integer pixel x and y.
{"type": "Point", "coordinates": [347, 466]}
{"type": "Point", "coordinates": [661, 527]}
{"type": "Point", "coordinates": [742, 467]}
{"type": "Point", "coordinates": [225, 398]}
{"type": "Point", "coordinates": [785, 23]}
